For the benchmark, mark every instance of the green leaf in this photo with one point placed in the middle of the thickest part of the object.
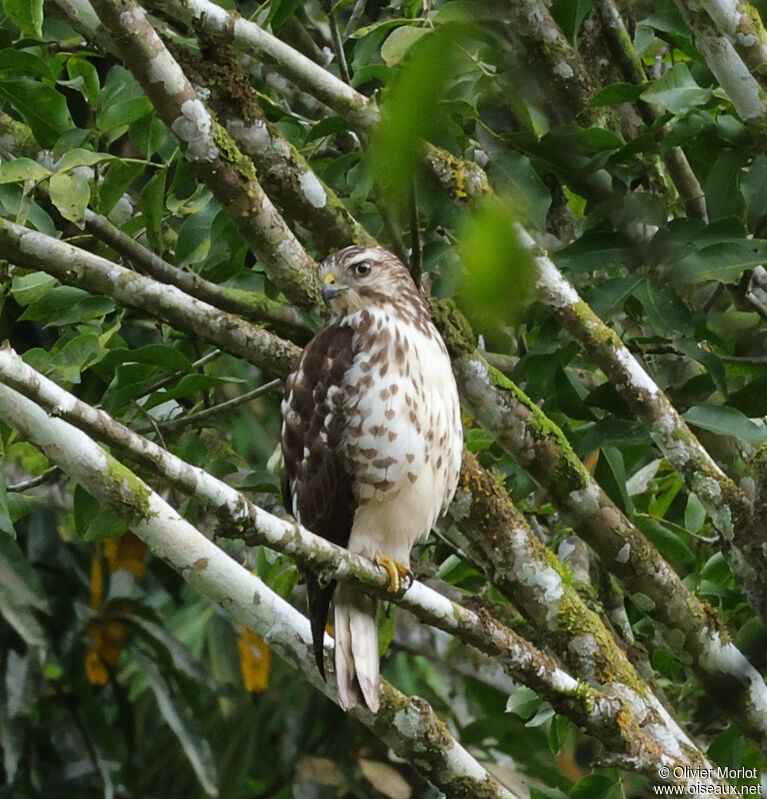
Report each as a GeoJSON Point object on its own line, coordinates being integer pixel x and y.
{"type": "Point", "coordinates": [617, 93]}
{"type": "Point", "coordinates": [70, 192]}
{"type": "Point", "coordinates": [676, 91]}
{"type": "Point", "coordinates": [694, 513]}
{"type": "Point", "coordinates": [541, 717]}
{"type": "Point", "coordinates": [559, 732]}
{"type": "Point", "coordinates": [524, 702]}
{"type": "Point", "coordinates": [399, 41]}
{"type": "Point", "coordinates": [43, 108]}
{"type": "Point", "coordinates": [63, 305]}
{"type": "Point", "coordinates": [152, 206]}
{"type": "Point", "coordinates": [499, 277]}
{"type": "Point", "coordinates": [82, 68]}
{"type": "Point", "coordinates": [411, 112]}
{"type": "Point", "coordinates": [194, 240]}
{"type": "Point", "coordinates": [724, 262]}
{"type": "Point", "coordinates": [123, 112]}
{"type": "Point", "coordinates": [725, 421]}
{"type": "Point", "coordinates": [611, 473]}
{"type": "Point", "coordinates": [524, 193]}
{"type": "Point", "coordinates": [598, 139]}
{"type": "Point", "coordinates": [386, 629]}
{"type": "Point", "coordinates": [753, 188]}
{"type": "Point", "coordinates": [22, 169]}
{"type": "Point", "coordinates": [670, 545]}
{"type": "Point", "coordinates": [570, 14]}
{"type": "Point", "coordinates": [27, 289]}
{"type": "Point", "coordinates": [196, 749]}
{"type": "Point", "coordinates": [664, 662]}
{"type": "Point", "coordinates": [172, 649]}
{"type": "Point", "coordinates": [20, 593]}
{"type": "Point", "coordinates": [381, 25]}
{"type": "Point", "coordinates": [17, 63]}
{"type": "Point", "coordinates": [105, 523]}
{"type": "Point", "coordinates": [170, 358]}
{"type": "Point", "coordinates": [721, 185]}
{"type": "Point", "coordinates": [280, 11]}
{"type": "Point", "coordinates": [76, 355]}
{"type": "Point", "coordinates": [130, 382]}
{"type": "Point", "coordinates": [712, 362]}
{"type": "Point", "coordinates": [27, 15]}
{"type": "Point", "coordinates": [118, 178]}
{"type": "Point", "coordinates": [81, 157]}
{"type": "Point", "coordinates": [593, 786]}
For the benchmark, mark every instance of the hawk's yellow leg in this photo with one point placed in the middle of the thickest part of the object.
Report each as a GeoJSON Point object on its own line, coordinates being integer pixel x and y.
{"type": "Point", "coordinates": [397, 571]}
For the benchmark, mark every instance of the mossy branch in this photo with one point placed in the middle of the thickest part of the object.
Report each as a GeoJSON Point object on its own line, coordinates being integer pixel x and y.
{"type": "Point", "coordinates": [609, 716]}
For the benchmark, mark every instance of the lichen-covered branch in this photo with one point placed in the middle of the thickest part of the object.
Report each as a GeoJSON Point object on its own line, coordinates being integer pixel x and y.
{"type": "Point", "coordinates": [621, 46]}
{"type": "Point", "coordinates": [611, 718]}
{"type": "Point", "coordinates": [285, 174]}
{"type": "Point", "coordinates": [741, 87]}
{"type": "Point", "coordinates": [464, 179]}
{"type": "Point", "coordinates": [742, 24]}
{"type": "Point", "coordinates": [407, 724]}
{"type": "Point", "coordinates": [565, 73]}
{"type": "Point", "coordinates": [97, 275]}
{"type": "Point", "coordinates": [251, 305]}
{"type": "Point", "coordinates": [744, 539]}
{"type": "Point", "coordinates": [538, 445]}
{"type": "Point", "coordinates": [210, 150]}
{"type": "Point", "coordinates": [305, 73]}
{"type": "Point", "coordinates": [16, 138]}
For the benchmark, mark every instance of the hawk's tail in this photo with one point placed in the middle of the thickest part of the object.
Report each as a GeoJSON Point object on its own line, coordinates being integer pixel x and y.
{"type": "Point", "coordinates": [319, 604]}
{"type": "Point", "coordinates": [356, 653]}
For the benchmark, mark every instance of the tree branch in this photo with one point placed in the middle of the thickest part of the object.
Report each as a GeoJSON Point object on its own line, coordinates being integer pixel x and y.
{"type": "Point", "coordinates": [211, 151]}
{"type": "Point", "coordinates": [250, 305]}
{"type": "Point", "coordinates": [741, 23]}
{"type": "Point", "coordinates": [678, 167]}
{"type": "Point", "coordinates": [643, 570]}
{"type": "Point", "coordinates": [99, 276]}
{"type": "Point", "coordinates": [285, 174]}
{"type": "Point", "coordinates": [744, 91]}
{"type": "Point", "coordinates": [294, 65]}
{"type": "Point", "coordinates": [539, 446]}
{"type": "Point", "coordinates": [195, 419]}
{"type": "Point", "coordinates": [610, 717]}
{"type": "Point", "coordinates": [731, 512]}
{"type": "Point", "coordinates": [408, 725]}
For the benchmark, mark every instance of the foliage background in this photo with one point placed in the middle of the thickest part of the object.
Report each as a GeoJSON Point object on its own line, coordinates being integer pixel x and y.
{"type": "Point", "coordinates": [118, 679]}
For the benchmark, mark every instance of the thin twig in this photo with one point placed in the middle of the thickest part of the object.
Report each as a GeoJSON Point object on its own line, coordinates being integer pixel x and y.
{"type": "Point", "coordinates": [198, 364]}
{"type": "Point", "coordinates": [195, 418]}
{"type": "Point", "coordinates": [338, 48]}
{"type": "Point", "coordinates": [354, 19]}
{"type": "Point", "coordinates": [33, 482]}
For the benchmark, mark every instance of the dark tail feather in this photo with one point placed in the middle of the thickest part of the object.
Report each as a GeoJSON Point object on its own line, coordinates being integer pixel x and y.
{"type": "Point", "coordinates": [319, 607]}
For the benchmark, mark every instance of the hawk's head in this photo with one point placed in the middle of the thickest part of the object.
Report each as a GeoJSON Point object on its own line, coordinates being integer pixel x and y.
{"type": "Point", "coordinates": [358, 277]}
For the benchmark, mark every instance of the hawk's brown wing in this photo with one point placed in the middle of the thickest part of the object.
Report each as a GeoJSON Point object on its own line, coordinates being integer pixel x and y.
{"type": "Point", "coordinates": [316, 482]}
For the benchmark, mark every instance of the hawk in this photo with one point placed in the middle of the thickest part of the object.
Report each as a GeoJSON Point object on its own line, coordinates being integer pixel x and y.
{"type": "Point", "coordinates": [371, 443]}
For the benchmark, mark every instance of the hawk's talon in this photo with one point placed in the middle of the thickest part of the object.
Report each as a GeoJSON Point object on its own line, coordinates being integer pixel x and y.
{"type": "Point", "coordinates": [398, 572]}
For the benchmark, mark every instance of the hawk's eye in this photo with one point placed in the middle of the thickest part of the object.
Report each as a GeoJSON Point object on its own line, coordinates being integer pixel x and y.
{"type": "Point", "coordinates": [362, 268]}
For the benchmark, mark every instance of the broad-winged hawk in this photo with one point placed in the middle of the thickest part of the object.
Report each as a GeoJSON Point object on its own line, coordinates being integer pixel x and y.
{"type": "Point", "coordinates": [371, 441]}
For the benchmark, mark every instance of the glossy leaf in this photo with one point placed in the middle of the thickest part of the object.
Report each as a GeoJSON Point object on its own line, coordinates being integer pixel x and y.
{"type": "Point", "coordinates": [726, 421]}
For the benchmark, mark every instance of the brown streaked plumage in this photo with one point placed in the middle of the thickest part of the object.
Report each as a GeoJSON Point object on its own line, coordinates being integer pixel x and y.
{"type": "Point", "coordinates": [371, 441]}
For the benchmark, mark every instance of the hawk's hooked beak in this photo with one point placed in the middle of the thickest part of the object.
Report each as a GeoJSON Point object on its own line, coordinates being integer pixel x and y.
{"type": "Point", "coordinates": [330, 290]}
